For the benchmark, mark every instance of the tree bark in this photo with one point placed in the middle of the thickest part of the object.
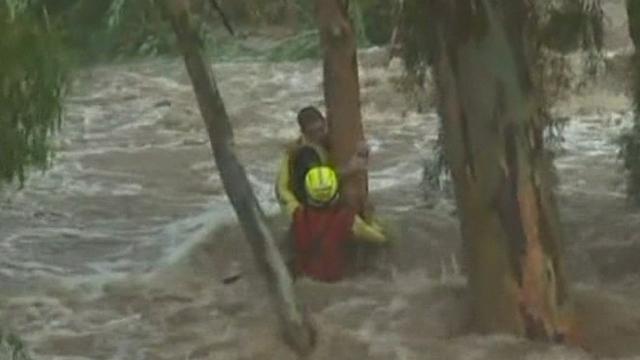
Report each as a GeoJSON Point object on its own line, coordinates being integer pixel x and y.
{"type": "Point", "coordinates": [494, 147]}
{"type": "Point", "coordinates": [297, 329]}
{"type": "Point", "coordinates": [342, 94]}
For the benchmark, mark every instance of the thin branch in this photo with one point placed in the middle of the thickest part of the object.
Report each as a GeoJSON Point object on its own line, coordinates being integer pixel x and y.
{"type": "Point", "coordinates": [225, 20]}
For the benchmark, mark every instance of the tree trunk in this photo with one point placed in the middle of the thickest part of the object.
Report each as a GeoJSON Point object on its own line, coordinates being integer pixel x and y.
{"type": "Point", "coordinates": [342, 94]}
{"type": "Point", "coordinates": [297, 329]}
{"type": "Point", "coordinates": [494, 147]}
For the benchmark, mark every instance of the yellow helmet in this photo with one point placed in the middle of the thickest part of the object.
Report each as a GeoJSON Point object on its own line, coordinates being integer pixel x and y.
{"type": "Point", "coordinates": [321, 184]}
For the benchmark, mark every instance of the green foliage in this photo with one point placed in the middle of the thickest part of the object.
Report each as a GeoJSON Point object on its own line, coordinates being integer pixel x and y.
{"type": "Point", "coordinates": [103, 30]}
{"type": "Point", "coordinates": [554, 28]}
{"type": "Point", "coordinates": [371, 20]}
{"type": "Point", "coordinates": [137, 27]}
{"type": "Point", "coordinates": [633, 12]}
{"type": "Point", "coordinates": [377, 20]}
{"type": "Point", "coordinates": [116, 9]}
{"type": "Point", "coordinates": [100, 30]}
{"type": "Point", "coordinates": [12, 348]}
{"type": "Point", "coordinates": [227, 48]}
{"type": "Point", "coordinates": [306, 45]}
{"type": "Point", "coordinates": [416, 38]}
{"type": "Point", "coordinates": [568, 25]}
{"type": "Point", "coordinates": [357, 19]}
{"type": "Point", "coordinates": [17, 7]}
{"type": "Point", "coordinates": [32, 81]}
{"type": "Point", "coordinates": [264, 12]}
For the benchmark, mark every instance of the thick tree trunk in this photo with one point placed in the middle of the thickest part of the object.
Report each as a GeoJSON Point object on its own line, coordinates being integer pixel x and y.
{"type": "Point", "coordinates": [342, 93]}
{"type": "Point", "coordinates": [298, 331]}
{"type": "Point", "coordinates": [494, 146]}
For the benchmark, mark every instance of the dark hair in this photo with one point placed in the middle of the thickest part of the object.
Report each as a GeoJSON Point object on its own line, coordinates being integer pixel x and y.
{"type": "Point", "coordinates": [309, 114]}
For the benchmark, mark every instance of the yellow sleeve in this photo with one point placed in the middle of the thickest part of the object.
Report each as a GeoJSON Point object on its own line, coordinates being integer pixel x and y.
{"type": "Point", "coordinates": [368, 232]}
{"type": "Point", "coordinates": [286, 198]}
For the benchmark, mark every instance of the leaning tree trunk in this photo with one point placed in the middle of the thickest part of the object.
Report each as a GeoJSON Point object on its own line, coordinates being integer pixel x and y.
{"type": "Point", "coordinates": [342, 93]}
{"type": "Point", "coordinates": [297, 329]}
{"type": "Point", "coordinates": [494, 147]}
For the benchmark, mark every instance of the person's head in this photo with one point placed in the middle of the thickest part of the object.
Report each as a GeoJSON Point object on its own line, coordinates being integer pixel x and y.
{"type": "Point", "coordinates": [321, 185]}
{"type": "Point", "coordinates": [313, 125]}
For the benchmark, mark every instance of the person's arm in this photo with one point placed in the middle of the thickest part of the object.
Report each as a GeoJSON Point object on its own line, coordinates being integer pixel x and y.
{"type": "Point", "coordinates": [370, 232]}
{"type": "Point", "coordinates": [358, 162]}
{"type": "Point", "coordinates": [284, 193]}
{"type": "Point", "coordinates": [305, 158]}
{"type": "Point", "coordinates": [290, 183]}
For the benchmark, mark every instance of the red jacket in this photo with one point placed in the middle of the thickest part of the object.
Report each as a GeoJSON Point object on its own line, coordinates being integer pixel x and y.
{"type": "Point", "coordinates": [320, 241]}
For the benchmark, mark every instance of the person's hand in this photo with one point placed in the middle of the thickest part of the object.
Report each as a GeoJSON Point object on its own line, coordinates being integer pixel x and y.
{"type": "Point", "coordinates": [376, 226]}
{"type": "Point", "coordinates": [359, 161]}
{"type": "Point", "coordinates": [292, 207]}
{"type": "Point", "coordinates": [362, 150]}
{"type": "Point", "coordinates": [367, 232]}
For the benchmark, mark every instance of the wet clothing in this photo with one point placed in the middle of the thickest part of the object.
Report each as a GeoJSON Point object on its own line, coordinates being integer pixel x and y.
{"type": "Point", "coordinates": [299, 158]}
{"type": "Point", "coordinates": [305, 158]}
{"type": "Point", "coordinates": [290, 192]}
{"type": "Point", "coordinates": [321, 238]}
